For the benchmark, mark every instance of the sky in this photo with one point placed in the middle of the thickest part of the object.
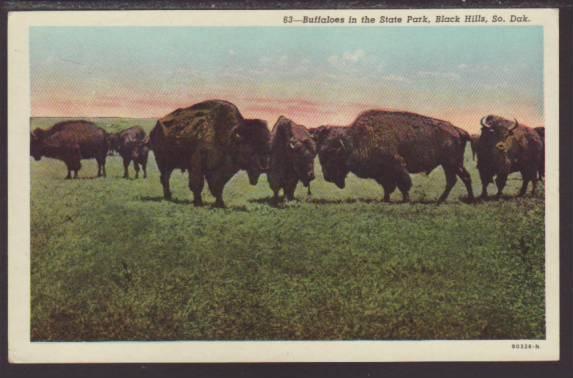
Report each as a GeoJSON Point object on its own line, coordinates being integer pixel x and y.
{"type": "Point", "coordinates": [313, 75]}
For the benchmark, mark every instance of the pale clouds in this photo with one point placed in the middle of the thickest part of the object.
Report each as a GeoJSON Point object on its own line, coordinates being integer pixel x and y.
{"type": "Point", "coordinates": [347, 58]}
{"type": "Point", "coordinates": [398, 78]}
{"type": "Point", "coordinates": [439, 75]}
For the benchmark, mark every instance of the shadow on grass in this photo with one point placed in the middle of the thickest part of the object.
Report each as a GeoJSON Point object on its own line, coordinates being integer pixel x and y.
{"type": "Point", "coordinates": [189, 202]}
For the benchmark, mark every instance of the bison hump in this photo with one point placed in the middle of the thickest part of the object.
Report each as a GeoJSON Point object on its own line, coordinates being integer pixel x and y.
{"type": "Point", "coordinates": [209, 121]}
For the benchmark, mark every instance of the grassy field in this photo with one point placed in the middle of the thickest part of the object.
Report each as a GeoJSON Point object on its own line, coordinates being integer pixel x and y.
{"type": "Point", "coordinates": [112, 261]}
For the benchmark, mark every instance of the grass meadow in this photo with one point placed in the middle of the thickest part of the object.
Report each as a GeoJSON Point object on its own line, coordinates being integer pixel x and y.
{"type": "Point", "coordinates": [111, 260]}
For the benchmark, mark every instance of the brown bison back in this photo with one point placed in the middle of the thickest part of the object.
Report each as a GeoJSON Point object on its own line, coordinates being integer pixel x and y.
{"type": "Point", "coordinates": [422, 141]}
{"type": "Point", "coordinates": [91, 139]}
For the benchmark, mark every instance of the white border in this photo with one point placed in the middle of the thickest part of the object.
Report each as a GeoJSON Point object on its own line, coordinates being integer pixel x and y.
{"type": "Point", "coordinates": [21, 350]}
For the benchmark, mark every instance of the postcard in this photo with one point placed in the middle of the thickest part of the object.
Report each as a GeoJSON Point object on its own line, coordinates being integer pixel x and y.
{"type": "Point", "coordinates": [283, 186]}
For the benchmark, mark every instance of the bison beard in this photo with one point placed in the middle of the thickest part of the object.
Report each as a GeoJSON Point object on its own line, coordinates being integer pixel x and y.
{"type": "Point", "coordinates": [505, 147]}
{"type": "Point", "coordinates": [212, 141]}
{"type": "Point", "coordinates": [388, 146]}
{"type": "Point", "coordinates": [292, 158]}
{"type": "Point", "coordinates": [71, 141]}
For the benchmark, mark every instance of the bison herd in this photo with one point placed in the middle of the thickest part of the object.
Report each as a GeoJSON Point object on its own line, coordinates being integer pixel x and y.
{"type": "Point", "coordinates": [212, 141]}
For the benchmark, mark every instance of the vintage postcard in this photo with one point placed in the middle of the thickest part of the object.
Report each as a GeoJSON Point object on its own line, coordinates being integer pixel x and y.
{"type": "Point", "coordinates": [283, 186]}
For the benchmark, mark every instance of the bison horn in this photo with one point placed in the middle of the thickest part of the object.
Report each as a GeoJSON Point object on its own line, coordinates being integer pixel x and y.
{"type": "Point", "coordinates": [342, 144]}
{"type": "Point", "coordinates": [483, 122]}
{"type": "Point", "coordinates": [514, 125]}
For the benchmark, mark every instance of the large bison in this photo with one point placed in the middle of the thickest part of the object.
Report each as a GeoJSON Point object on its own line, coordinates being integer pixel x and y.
{"type": "Point", "coordinates": [541, 132]}
{"type": "Point", "coordinates": [131, 146]}
{"type": "Point", "coordinates": [505, 147]}
{"type": "Point", "coordinates": [292, 158]}
{"type": "Point", "coordinates": [212, 141]}
{"type": "Point", "coordinates": [71, 141]}
{"type": "Point", "coordinates": [387, 146]}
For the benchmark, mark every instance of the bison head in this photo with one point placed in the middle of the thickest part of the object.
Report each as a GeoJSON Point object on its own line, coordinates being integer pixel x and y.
{"type": "Point", "coordinates": [333, 152]}
{"type": "Point", "coordinates": [496, 134]}
{"type": "Point", "coordinates": [302, 152]}
{"type": "Point", "coordinates": [113, 143]}
{"type": "Point", "coordinates": [252, 148]}
{"type": "Point", "coordinates": [36, 144]}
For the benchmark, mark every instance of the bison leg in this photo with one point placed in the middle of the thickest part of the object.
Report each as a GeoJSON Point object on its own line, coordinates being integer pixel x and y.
{"type": "Point", "coordinates": [144, 167]}
{"type": "Point", "coordinates": [126, 162]}
{"type": "Point", "coordinates": [165, 175]}
{"type": "Point", "coordinates": [524, 187]}
{"type": "Point", "coordinates": [485, 180]}
{"type": "Point", "coordinates": [276, 198]}
{"type": "Point", "coordinates": [500, 181]}
{"type": "Point", "coordinates": [216, 186]}
{"type": "Point", "coordinates": [465, 177]}
{"type": "Point", "coordinates": [136, 167]}
{"type": "Point", "coordinates": [404, 183]}
{"type": "Point", "coordinates": [196, 177]}
{"type": "Point", "coordinates": [450, 182]}
{"type": "Point", "coordinates": [389, 187]}
{"type": "Point", "coordinates": [196, 184]}
{"type": "Point", "coordinates": [289, 189]}
{"type": "Point", "coordinates": [70, 169]}
{"type": "Point", "coordinates": [216, 181]}
{"type": "Point", "coordinates": [101, 167]}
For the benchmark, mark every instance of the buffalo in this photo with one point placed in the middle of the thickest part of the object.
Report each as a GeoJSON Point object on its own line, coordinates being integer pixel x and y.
{"type": "Point", "coordinates": [212, 141]}
{"type": "Point", "coordinates": [387, 146]}
{"type": "Point", "coordinates": [131, 145]}
{"type": "Point", "coordinates": [474, 141]}
{"type": "Point", "coordinates": [505, 147]}
{"type": "Point", "coordinates": [292, 158]}
{"type": "Point", "coordinates": [71, 141]}
{"type": "Point", "coordinates": [541, 132]}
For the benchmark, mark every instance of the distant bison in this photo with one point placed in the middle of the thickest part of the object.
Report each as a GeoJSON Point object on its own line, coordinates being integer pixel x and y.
{"type": "Point", "coordinates": [292, 158]}
{"type": "Point", "coordinates": [212, 141]}
{"type": "Point", "coordinates": [131, 146]}
{"type": "Point", "coordinates": [504, 147]}
{"type": "Point", "coordinates": [474, 141]}
{"type": "Point", "coordinates": [387, 146]}
{"type": "Point", "coordinates": [541, 132]}
{"type": "Point", "coordinates": [71, 141]}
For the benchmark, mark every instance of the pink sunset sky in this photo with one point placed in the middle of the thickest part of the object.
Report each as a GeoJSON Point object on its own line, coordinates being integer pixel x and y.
{"type": "Point", "coordinates": [314, 77]}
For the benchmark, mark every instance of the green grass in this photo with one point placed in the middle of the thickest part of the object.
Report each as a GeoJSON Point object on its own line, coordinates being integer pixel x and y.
{"type": "Point", "coordinates": [112, 261]}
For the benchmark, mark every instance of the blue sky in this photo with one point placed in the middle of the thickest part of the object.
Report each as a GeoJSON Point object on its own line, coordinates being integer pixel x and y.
{"type": "Point", "coordinates": [315, 75]}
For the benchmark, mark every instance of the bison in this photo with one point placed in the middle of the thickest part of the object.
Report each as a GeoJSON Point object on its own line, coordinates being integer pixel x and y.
{"type": "Point", "coordinates": [71, 141]}
{"type": "Point", "coordinates": [292, 158]}
{"type": "Point", "coordinates": [212, 141]}
{"type": "Point", "coordinates": [541, 132]}
{"type": "Point", "coordinates": [474, 141]}
{"type": "Point", "coordinates": [387, 146]}
{"type": "Point", "coordinates": [505, 147]}
{"type": "Point", "coordinates": [131, 145]}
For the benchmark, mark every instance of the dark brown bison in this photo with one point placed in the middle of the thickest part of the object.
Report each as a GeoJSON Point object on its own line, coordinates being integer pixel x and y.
{"type": "Point", "coordinates": [388, 146]}
{"type": "Point", "coordinates": [212, 141]}
{"type": "Point", "coordinates": [292, 158]}
{"type": "Point", "coordinates": [71, 141]}
{"type": "Point", "coordinates": [131, 146]}
{"type": "Point", "coordinates": [541, 132]}
{"type": "Point", "coordinates": [474, 141]}
{"type": "Point", "coordinates": [507, 146]}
